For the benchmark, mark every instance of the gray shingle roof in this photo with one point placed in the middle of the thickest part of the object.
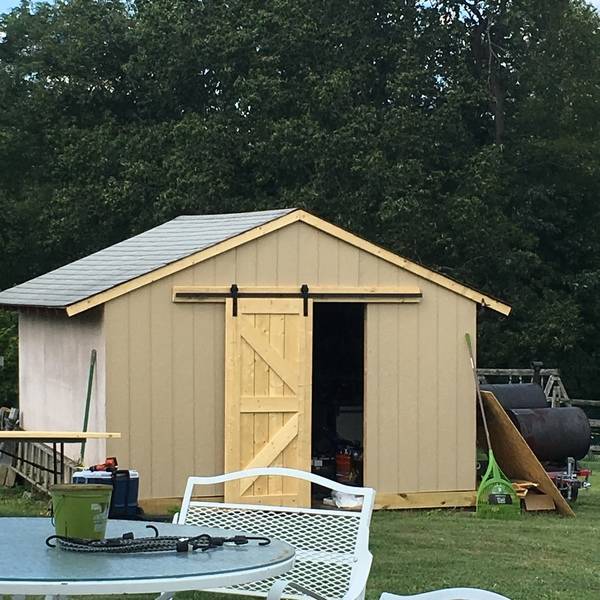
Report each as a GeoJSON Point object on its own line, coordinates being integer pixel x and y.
{"type": "Point", "coordinates": [131, 258]}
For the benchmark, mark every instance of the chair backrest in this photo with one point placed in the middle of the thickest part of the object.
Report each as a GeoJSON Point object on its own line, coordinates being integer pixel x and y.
{"type": "Point", "coordinates": [331, 545]}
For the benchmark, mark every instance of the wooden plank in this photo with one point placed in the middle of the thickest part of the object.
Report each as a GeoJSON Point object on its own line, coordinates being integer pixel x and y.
{"type": "Point", "coordinates": [261, 388]}
{"type": "Point", "coordinates": [388, 391]}
{"type": "Point", "coordinates": [247, 376]}
{"type": "Point", "coordinates": [140, 388]}
{"type": "Point", "coordinates": [233, 354]}
{"type": "Point", "coordinates": [259, 342]}
{"type": "Point", "coordinates": [448, 413]}
{"type": "Point", "coordinates": [427, 426]}
{"type": "Point", "coordinates": [177, 290]}
{"type": "Point", "coordinates": [161, 375]}
{"type": "Point", "coordinates": [466, 426]}
{"type": "Point", "coordinates": [327, 261]}
{"type": "Point", "coordinates": [413, 500]}
{"type": "Point", "coordinates": [534, 502]}
{"type": "Point", "coordinates": [168, 504]}
{"type": "Point", "coordinates": [304, 439]}
{"type": "Point", "coordinates": [271, 449]}
{"type": "Point", "coordinates": [289, 456]}
{"type": "Point", "coordinates": [514, 455]}
{"type": "Point", "coordinates": [184, 431]}
{"type": "Point", "coordinates": [277, 402]}
{"type": "Point", "coordinates": [116, 377]}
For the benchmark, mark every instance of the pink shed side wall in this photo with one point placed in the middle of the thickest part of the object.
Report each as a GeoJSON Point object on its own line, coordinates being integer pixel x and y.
{"type": "Point", "coordinates": [54, 359]}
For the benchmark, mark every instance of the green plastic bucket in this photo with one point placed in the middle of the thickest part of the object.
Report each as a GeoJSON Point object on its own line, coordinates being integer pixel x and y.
{"type": "Point", "coordinates": [81, 510]}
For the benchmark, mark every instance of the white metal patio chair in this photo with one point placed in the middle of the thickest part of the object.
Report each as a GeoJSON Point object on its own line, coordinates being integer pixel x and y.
{"type": "Point", "coordinates": [449, 594]}
{"type": "Point", "coordinates": [332, 546]}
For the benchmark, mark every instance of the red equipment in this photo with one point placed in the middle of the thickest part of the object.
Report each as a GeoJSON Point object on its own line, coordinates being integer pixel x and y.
{"type": "Point", "coordinates": [110, 464]}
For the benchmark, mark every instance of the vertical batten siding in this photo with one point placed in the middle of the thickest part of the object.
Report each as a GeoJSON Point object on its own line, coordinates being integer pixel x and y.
{"type": "Point", "coordinates": [448, 337]}
{"type": "Point", "coordinates": [387, 367]}
{"type": "Point", "coordinates": [465, 390]}
{"type": "Point", "coordinates": [185, 409]}
{"type": "Point", "coordinates": [140, 386]}
{"type": "Point", "coordinates": [166, 363]}
{"type": "Point", "coordinates": [161, 376]}
{"type": "Point", "coordinates": [417, 380]}
{"type": "Point", "coordinates": [407, 331]}
{"type": "Point", "coordinates": [118, 368]}
{"type": "Point", "coordinates": [426, 345]}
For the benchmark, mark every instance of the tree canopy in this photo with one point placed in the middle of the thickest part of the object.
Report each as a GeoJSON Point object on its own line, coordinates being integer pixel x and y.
{"type": "Point", "coordinates": [463, 134]}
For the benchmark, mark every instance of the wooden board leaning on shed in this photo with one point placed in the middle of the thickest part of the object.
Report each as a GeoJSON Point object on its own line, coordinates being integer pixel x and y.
{"type": "Point", "coordinates": [514, 455]}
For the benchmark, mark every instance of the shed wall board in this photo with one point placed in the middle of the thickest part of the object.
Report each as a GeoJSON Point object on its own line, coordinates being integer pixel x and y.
{"type": "Point", "coordinates": [420, 397]}
{"type": "Point", "coordinates": [54, 361]}
{"type": "Point", "coordinates": [165, 370]}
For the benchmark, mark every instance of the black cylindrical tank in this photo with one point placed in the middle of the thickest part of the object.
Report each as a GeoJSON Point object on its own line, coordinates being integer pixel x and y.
{"type": "Point", "coordinates": [518, 395]}
{"type": "Point", "coordinates": [553, 434]}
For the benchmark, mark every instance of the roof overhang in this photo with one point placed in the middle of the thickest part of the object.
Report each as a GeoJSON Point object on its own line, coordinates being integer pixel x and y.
{"type": "Point", "coordinates": [275, 225]}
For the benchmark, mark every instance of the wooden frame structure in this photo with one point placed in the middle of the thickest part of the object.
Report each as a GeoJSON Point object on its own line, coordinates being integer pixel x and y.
{"type": "Point", "coordinates": [195, 390]}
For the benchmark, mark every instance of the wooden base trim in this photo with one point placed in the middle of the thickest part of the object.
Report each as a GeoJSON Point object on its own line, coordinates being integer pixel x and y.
{"type": "Point", "coordinates": [412, 500]}
{"type": "Point", "coordinates": [170, 504]}
{"type": "Point", "coordinates": [399, 501]}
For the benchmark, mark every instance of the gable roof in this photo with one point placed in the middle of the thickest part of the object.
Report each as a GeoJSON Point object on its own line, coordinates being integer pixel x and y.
{"type": "Point", "coordinates": [131, 258]}
{"type": "Point", "coordinates": [179, 244]}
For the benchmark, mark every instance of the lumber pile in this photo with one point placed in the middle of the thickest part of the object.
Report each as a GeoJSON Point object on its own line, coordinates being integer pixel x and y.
{"type": "Point", "coordinates": [519, 463]}
{"type": "Point", "coordinates": [522, 487]}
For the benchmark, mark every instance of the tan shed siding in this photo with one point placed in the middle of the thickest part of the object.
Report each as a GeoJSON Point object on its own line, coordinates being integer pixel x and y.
{"type": "Point", "coordinates": [420, 400]}
{"type": "Point", "coordinates": [165, 373]}
{"type": "Point", "coordinates": [166, 367]}
{"type": "Point", "coordinates": [465, 397]}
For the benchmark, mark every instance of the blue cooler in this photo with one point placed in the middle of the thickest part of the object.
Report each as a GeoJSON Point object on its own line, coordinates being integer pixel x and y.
{"type": "Point", "coordinates": [125, 483]}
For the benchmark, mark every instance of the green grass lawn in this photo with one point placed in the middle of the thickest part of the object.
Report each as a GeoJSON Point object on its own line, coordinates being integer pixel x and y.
{"type": "Point", "coordinates": [541, 556]}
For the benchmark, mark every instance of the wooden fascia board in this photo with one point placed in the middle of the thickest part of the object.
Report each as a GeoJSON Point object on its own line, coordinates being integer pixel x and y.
{"type": "Point", "coordinates": [183, 263]}
{"type": "Point", "coordinates": [405, 264]}
{"type": "Point", "coordinates": [218, 293]}
{"type": "Point", "coordinates": [274, 225]}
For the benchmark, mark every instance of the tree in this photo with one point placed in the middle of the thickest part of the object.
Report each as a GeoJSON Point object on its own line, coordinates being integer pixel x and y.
{"type": "Point", "coordinates": [460, 133]}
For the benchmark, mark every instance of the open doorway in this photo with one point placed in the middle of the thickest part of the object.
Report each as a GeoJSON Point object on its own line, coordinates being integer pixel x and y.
{"type": "Point", "coordinates": [338, 391]}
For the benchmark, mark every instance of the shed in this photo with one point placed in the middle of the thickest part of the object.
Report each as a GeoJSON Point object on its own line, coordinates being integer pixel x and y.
{"type": "Point", "coordinates": [252, 339]}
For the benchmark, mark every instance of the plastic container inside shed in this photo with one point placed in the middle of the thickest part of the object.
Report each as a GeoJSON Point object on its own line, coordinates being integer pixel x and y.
{"type": "Point", "coordinates": [126, 483]}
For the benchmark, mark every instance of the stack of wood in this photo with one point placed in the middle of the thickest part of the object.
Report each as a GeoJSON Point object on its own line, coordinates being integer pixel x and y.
{"type": "Point", "coordinates": [536, 500]}
{"type": "Point", "coordinates": [522, 487]}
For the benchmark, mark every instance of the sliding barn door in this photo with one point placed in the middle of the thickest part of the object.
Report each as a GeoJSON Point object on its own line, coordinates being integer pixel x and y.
{"type": "Point", "coordinates": [268, 358]}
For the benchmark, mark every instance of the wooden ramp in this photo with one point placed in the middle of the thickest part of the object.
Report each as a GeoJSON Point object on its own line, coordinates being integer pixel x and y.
{"type": "Point", "coordinates": [514, 455]}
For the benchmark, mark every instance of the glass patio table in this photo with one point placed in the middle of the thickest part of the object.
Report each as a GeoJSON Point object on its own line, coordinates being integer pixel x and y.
{"type": "Point", "coordinates": [28, 566]}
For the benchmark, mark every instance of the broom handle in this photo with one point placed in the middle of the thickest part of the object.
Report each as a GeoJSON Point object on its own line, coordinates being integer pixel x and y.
{"type": "Point", "coordinates": [485, 426]}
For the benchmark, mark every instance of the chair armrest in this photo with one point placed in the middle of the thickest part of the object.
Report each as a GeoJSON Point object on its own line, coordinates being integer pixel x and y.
{"type": "Point", "coordinates": [358, 585]}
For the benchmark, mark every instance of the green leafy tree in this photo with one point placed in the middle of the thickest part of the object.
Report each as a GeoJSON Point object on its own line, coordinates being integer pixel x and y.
{"type": "Point", "coordinates": [460, 133]}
